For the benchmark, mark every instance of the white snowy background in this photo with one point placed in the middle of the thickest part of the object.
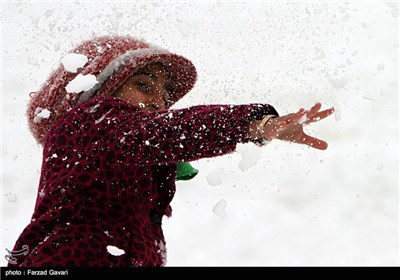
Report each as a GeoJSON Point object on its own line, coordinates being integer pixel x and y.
{"type": "Point", "coordinates": [283, 204]}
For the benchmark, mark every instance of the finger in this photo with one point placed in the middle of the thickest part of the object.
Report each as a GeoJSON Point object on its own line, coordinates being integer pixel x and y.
{"type": "Point", "coordinates": [303, 116]}
{"type": "Point", "coordinates": [294, 118]}
{"type": "Point", "coordinates": [320, 115]}
{"type": "Point", "coordinates": [314, 110]}
{"type": "Point", "coordinates": [314, 142]}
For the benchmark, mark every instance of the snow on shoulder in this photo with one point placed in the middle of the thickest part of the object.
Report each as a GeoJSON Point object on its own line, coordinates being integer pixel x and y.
{"type": "Point", "coordinates": [73, 61]}
{"type": "Point", "coordinates": [115, 251]}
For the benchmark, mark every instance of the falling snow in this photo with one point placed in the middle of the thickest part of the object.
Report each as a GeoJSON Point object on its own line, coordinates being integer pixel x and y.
{"type": "Point", "coordinates": [11, 197]}
{"type": "Point", "coordinates": [184, 28]}
{"type": "Point", "coordinates": [215, 177]}
{"type": "Point", "coordinates": [250, 156]}
{"type": "Point", "coordinates": [219, 208]}
{"type": "Point", "coordinates": [380, 166]}
{"type": "Point", "coordinates": [42, 193]}
{"type": "Point", "coordinates": [342, 54]}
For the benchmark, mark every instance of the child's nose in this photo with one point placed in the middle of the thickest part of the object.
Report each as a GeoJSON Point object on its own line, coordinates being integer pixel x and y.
{"type": "Point", "coordinates": [159, 102]}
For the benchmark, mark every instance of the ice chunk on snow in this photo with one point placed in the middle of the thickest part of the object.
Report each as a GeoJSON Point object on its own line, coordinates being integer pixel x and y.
{"type": "Point", "coordinates": [250, 156]}
{"type": "Point", "coordinates": [73, 61]}
{"type": "Point", "coordinates": [40, 114]}
{"type": "Point", "coordinates": [219, 208]}
{"type": "Point", "coordinates": [115, 251]}
{"type": "Point", "coordinates": [81, 83]}
{"type": "Point", "coordinates": [11, 197]}
{"type": "Point", "coordinates": [215, 177]}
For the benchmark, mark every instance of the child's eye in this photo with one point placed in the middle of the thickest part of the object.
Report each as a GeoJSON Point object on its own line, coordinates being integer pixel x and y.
{"type": "Point", "coordinates": [143, 86]}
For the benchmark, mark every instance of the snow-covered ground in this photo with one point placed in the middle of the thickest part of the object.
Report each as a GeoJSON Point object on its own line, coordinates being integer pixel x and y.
{"type": "Point", "coordinates": [283, 204]}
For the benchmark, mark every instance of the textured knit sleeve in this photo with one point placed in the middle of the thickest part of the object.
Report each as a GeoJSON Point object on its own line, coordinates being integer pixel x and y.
{"type": "Point", "coordinates": [173, 136]}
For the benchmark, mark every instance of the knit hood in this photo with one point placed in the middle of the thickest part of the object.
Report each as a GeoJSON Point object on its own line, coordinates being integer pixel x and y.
{"type": "Point", "coordinates": [109, 62]}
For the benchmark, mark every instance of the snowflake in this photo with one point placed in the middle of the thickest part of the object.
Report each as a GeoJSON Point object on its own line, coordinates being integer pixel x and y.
{"type": "Point", "coordinates": [42, 193]}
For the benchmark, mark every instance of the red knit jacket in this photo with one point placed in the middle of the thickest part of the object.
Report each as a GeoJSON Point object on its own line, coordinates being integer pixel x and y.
{"type": "Point", "coordinates": [108, 177]}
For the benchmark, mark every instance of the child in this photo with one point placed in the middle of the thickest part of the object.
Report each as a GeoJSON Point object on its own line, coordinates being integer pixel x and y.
{"type": "Point", "coordinates": [111, 152]}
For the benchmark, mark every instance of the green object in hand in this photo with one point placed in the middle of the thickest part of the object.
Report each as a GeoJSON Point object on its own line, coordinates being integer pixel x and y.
{"type": "Point", "coordinates": [185, 171]}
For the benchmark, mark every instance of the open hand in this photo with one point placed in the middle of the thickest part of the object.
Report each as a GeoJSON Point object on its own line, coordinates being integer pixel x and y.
{"type": "Point", "coordinates": [290, 127]}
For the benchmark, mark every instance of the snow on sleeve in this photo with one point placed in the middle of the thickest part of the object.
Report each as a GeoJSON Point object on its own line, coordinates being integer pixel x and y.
{"type": "Point", "coordinates": [219, 208]}
{"type": "Point", "coordinates": [250, 156]}
{"type": "Point", "coordinates": [115, 251]}
{"type": "Point", "coordinates": [81, 83]}
{"type": "Point", "coordinates": [11, 197]}
{"type": "Point", "coordinates": [215, 177]}
{"type": "Point", "coordinates": [40, 114]}
{"type": "Point", "coordinates": [73, 61]}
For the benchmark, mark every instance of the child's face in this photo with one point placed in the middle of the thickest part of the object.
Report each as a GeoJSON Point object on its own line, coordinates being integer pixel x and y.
{"type": "Point", "coordinates": [147, 88]}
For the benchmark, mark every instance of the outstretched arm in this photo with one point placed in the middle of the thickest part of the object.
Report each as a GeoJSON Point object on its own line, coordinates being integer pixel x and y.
{"type": "Point", "coordinates": [129, 136]}
{"type": "Point", "coordinates": [290, 127]}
